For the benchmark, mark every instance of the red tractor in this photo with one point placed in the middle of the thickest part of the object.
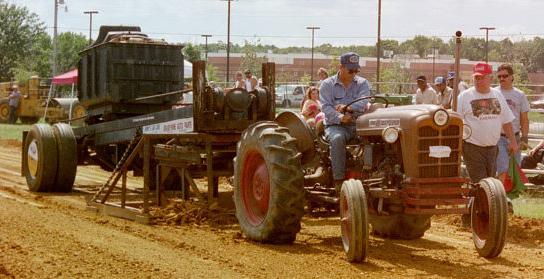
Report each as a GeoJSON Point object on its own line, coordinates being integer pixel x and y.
{"type": "Point", "coordinates": [403, 167]}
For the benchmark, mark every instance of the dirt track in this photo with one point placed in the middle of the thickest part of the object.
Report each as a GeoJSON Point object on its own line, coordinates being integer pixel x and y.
{"type": "Point", "coordinates": [46, 236]}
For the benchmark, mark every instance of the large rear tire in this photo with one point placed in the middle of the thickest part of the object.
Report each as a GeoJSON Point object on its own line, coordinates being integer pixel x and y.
{"type": "Point", "coordinates": [354, 220]}
{"type": "Point", "coordinates": [67, 157]}
{"type": "Point", "coordinates": [400, 226]}
{"type": "Point", "coordinates": [489, 216]}
{"type": "Point", "coordinates": [268, 184]}
{"type": "Point", "coordinates": [40, 158]}
{"type": "Point", "coordinates": [4, 112]}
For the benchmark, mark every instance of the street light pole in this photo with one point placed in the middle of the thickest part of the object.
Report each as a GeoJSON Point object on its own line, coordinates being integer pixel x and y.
{"type": "Point", "coordinates": [378, 46]}
{"type": "Point", "coordinates": [486, 39]}
{"type": "Point", "coordinates": [206, 45]}
{"type": "Point", "coordinates": [90, 13]}
{"type": "Point", "coordinates": [313, 28]}
{"type": "Point", "coordinates": [54, 66]}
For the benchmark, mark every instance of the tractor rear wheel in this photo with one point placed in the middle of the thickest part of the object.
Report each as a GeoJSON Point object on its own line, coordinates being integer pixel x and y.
{"type": "Point", "coordinates": [40, 158]}
{"type": "Point", "coordinates": [268, 184]}
{"type": "Point", "coordinates": [4, 112]}
{"type": "Point", "coordinates": [489, 217]}
{"type": "Point", "coordinates": [354, 220]}
{"type": "Point", "coordinates": [400, 226]}
{"type": "Point", "coordinates": [67, 157]}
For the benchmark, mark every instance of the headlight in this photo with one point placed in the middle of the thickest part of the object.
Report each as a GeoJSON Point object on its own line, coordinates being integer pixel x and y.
{"type": "Point", "coordinates": [467, 132]}
{"type": "Point", "coordinates": [441, 117]}
{"type": "Point", "coordinates": [390, 134]}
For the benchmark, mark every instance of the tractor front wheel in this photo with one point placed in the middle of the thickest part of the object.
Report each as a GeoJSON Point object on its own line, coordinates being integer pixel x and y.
{"type": "Point", "coordinates": [489, 218]}
{"type": "Point", "coordinates": [354, 220]}
{"type": "Point", "coordinates": [268, 184]}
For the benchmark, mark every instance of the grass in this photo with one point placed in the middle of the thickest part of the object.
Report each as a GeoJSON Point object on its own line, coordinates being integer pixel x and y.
{"type": "Point", "coordinates": [9, 131]}
{"type": "Point", "coordinates": [527, 206]}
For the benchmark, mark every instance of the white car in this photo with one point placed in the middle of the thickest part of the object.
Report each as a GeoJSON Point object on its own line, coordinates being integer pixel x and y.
{"type": "Point", "coordinates": [290, 95]}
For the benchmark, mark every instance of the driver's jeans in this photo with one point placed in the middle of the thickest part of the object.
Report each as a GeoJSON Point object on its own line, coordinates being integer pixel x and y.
{"type": "Point", "coordinates": [338, 136]}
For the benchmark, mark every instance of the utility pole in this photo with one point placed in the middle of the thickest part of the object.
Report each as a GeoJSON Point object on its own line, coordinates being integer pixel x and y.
{"type": "Point", "coordinates": [486, 39]}
{"type": "Point", "coordinates": [206, 45]}
{"type": "Point", "coordinates": [434, 55]}
{"type": "Point", "coordinates": [378, 47]}
{"type": "Point", "coordinates": [313, 28]}
{"type": "Point", "coordinates": [90, 13]}
{"type": "Point", "coordinates": [228, 40]}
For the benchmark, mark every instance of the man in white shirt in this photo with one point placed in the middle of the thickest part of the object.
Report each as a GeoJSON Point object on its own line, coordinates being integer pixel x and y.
{"type": "Point", "coordinates": [519, 105]}
{"type": "Point", "coordinates": [485, 110]}
{"type": "Point", "coordinates": [444, 93]}
{"type": "Point", "coordinates": [250, 81]}
{"type": "Point", "coordinates": [425, 94]}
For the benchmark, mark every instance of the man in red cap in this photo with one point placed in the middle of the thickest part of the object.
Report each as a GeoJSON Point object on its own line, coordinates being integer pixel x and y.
{"type": "Point", "coordinates": [485, 110]}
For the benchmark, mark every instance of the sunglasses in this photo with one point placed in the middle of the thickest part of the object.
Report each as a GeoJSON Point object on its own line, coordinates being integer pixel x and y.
{"type": "Point", "coordinates": [503, 76]}
{"type": "Point", "coordinates": [351, 72]}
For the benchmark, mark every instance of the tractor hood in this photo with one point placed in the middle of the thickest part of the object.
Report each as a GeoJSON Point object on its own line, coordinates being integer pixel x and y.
{"type": "Point", "coordinates": [403, 117]}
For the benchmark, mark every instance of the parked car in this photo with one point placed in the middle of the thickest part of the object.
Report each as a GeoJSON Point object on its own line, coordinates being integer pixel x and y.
{"type": "Point", "coordinates": [290, 95]}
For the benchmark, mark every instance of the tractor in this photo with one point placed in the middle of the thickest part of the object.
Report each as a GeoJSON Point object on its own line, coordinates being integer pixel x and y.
{"type": "Point", "coordinates": [402, 168]}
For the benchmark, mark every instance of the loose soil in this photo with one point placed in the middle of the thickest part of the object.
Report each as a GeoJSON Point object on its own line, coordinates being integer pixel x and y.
{"type": "Point", "coordinates": [54, 236]}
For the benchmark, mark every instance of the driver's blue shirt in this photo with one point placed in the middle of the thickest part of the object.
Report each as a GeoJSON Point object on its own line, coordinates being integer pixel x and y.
{"type": "Point", "coordinates": [332, 93]}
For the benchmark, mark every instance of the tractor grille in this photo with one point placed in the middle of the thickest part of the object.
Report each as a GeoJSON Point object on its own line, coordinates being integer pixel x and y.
{"type": "Point", "coordinates": [433, 136]}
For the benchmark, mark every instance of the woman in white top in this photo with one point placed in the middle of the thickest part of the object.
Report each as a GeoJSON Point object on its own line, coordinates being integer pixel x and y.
{"type": "Point", "coordinates": [239, 83]}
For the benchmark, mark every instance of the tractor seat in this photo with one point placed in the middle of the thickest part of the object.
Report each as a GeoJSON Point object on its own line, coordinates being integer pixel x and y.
{"type": "Point", "coordinates": [320, 132]}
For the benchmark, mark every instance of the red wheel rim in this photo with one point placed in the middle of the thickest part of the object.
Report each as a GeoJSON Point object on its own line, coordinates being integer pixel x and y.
{"type": "Point", "coordinates": [345, 221]}
{"type": "Point", "coordinates": [480, 215]}
{"type": "Point", "coordinates": [255, 186]}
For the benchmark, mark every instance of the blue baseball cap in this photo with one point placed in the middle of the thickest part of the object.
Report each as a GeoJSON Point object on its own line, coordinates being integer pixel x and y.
{"type": "Point", "coordinates": [451, 75]}
{"type": "Point", "coordinates": [350, 60]}
{"type": "Point", "coordinates": [439, 80]}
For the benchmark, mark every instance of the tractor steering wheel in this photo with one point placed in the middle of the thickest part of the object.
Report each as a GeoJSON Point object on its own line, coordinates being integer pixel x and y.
{"type": "Point", "coordinates": [371, 98]}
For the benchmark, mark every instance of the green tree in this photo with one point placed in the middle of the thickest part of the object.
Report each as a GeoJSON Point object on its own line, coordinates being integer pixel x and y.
{"type": "Point", "coordinates": [250, 60]}
{"type": "Point", "coordinates": [192, 52]}
{"type": "Point", "coordinates": [38, 63]}
{"type": "Point", "coordinates": [392, 77]}
{"type": "Point", "coordinates": [18, 30]}
{"type": "Point", "coordinates": [211, 70]}
{"type": "Point", "coordinates": [69, 46]}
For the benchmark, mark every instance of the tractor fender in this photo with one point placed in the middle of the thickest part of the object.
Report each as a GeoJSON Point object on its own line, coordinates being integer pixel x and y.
{"type": "Point", "coordinates": [299, 129]}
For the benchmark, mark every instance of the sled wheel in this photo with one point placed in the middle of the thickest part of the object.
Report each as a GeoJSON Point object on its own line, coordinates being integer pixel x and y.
{"type": "Point", "coordinates": [489, 217]}
{"type": "Point", "coordinates": [67, 157]}
{"type": "Point", "coordinates": [400, 226]}
{"type": "Point", "coordinates": [40, 158]}
{"type": "Point", "coordinates": [268, 184]}
{"type": "Point", "coordinates": [354, 220]}
{"type": "Point", "coordinates": [4, 112]}
{"type": "Point", "coordinates": [29, 119]}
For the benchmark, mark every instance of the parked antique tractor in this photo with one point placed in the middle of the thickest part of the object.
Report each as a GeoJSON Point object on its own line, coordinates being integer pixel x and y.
{"type": "Point", "coordinates": [33, 102]}
{"type": "Point", "coordinates": [402, 168]}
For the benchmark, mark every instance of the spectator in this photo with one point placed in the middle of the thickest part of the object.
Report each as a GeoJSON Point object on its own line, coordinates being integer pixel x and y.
{"type": "Point", "coordinates": [462, 86]}
{"type": "Point", "coordinates": [336, 93]}
{"type": "Point", "coordinates": [425, 94]}
{"type": "Point", "coordinates": [444, 93]}
{"type": "Point", "coordinates": [311, 106]}
{"type": "Point", "coordinates": [239, 80]}
{"type": "Point", "coordinates": [519, 105]}
{"type": "Point", "coordinates": [322, 74]}
{"type": "Point", "coordinates": [485, 110]}
{"type": "Point", "coordinates": [14, 98]}
{"type": "Point", "coordinates": [250, 81]}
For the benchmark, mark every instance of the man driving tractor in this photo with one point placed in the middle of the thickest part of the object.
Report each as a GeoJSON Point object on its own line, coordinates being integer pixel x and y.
{"type": "Point", "coordinates": [336, 92]}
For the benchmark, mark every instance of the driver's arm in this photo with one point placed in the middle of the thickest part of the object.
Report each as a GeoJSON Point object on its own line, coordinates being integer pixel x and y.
{"type": "Point", "coordinates": [332, 117]}
{"type": "Point", "coordinates": [363, 91]}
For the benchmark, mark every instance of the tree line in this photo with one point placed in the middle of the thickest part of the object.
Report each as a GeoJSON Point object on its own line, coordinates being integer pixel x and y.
{"type": "Point", "coordinates": [26, 49]}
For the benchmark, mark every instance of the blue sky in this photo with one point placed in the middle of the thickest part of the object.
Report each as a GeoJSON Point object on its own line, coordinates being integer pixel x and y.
{"type": "Point", "coordinates": [284, 22]}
